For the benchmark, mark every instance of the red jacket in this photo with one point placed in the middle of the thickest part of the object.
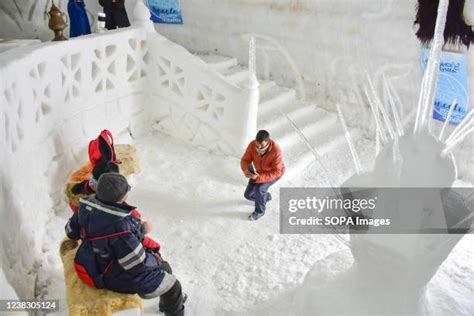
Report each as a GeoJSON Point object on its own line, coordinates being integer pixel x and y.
{"type": "Point", "coordinates": [270, 166]}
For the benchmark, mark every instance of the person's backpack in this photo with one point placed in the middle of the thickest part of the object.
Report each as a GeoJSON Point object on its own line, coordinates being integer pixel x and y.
{"type": "Point", "coordinates": [85, 263]}
{"type": "Point", "coordinates": [102, 148]}
{"type": "Point", "coordinates": [86, 266]}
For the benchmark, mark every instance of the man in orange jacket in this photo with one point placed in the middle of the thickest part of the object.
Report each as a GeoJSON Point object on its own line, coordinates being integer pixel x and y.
{"type": "Point", "coordinates": [262, 163]}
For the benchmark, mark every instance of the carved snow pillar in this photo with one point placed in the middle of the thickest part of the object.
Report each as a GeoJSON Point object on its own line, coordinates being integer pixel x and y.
{"type": "Point", "coordinates": [253, 95]}
{"type": "Point", "coordinates": [141, 15]}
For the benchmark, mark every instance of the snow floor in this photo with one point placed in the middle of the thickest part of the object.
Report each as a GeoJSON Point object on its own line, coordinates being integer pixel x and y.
{"type": "Point", "coordinates": [227, 264]}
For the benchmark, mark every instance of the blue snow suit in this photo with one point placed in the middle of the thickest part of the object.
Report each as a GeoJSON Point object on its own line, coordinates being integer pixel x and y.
{"type": "Point", "coordinates": [78, 20]}
{"type": "Point", "coordinates": [111, 251]}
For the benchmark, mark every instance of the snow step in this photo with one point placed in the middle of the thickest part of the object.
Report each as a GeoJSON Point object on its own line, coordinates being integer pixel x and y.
{"type": "Point", "coordinates": [324, 146]}
{"type": "Point", "coordinates": [320, 128]}
{"type": "Point", "coordinates": [333, 152]}
{"type": "Point", "coordinates": [336, 154]}
{"type": "Point", "coordinates": [265, 86]}
{"type": "Point", "coordinates": [333, 141]}
{"type": "Point", "coordinates": [296, 111]}
{"type": "Point", "coordinates": [236, 74]}
{"type": "Point", "coordinates": [218, 62]}
{"type": "Point", "coordinates": [311, 124]}
{"type": "Point", "coordinates": [314, 124]}
{"type": "Point", "coordinates": [274, 100]}
{"type": "Point", "coordinates": [296, 163]}
{"type": "Point", "coordinates": [273, 92]}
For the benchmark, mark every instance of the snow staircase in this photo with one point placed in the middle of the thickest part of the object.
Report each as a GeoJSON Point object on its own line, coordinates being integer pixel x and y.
{"type": "Point", "coordinates": [279, 110]}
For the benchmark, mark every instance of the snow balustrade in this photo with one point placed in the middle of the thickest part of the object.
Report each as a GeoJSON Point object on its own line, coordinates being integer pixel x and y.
{"type": "Point", "coordinates": [56, 96]}
{"type": "Point", "coordinates": [196, 103]}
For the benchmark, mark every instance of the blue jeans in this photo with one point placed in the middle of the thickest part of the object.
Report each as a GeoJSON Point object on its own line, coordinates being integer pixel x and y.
{"type": "Point", "coordinates": [257, 192]}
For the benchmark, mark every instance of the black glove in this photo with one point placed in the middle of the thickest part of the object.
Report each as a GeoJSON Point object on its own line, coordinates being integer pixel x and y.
{"type": "Point", "coordinates": [79, 188]}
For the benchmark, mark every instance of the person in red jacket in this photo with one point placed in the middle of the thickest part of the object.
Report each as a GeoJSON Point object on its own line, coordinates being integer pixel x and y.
{"type": "Point", "coordinates": [262, 164]}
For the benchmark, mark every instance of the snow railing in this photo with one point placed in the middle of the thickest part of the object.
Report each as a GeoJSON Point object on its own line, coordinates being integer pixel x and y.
{"type": "Point", "coordinates": [57, 80]}
{"type": "Point", "coordinates": [193, 102]}
{"type": "Point", "coordinates": [197, 104]}
{"type": "Point", "coordinates": [268, 44]}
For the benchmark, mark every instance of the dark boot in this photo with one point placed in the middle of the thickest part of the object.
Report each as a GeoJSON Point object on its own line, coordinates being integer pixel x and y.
{"type": "Point", "coordinates": [171, 303]}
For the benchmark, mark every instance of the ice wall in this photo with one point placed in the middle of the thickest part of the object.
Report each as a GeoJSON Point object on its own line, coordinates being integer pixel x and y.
{"type": "Point", "coordinates": [333, 43]}
{"type": "Point", "coordinates": [330, 41]}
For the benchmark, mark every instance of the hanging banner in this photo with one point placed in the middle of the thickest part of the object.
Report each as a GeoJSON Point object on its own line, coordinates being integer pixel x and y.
{"type": "Point", "coordinates": [451, 86]}
{"type": "Point", "coordinates": [165, 11]}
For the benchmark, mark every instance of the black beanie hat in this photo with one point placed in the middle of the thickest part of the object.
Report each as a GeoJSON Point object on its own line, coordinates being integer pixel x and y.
{"type": "Point", "coordinates": [112, 187]}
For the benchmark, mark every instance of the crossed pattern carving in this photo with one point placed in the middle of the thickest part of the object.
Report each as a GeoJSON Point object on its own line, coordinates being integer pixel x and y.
{"type": "Point", "coordinates": [137, 60]}
{"type": "Point", "coordinates": [12, 128]}
{"type": "Point", "coordinates": [190, 128]}
{"type": "Point", "coordinates": [171, 77]}
{"type": "Point", "coordinates": [41, 91]}
{"type": "Point", "coordinates": [104, 68]}
{"type": "Point", "coordinates": [210, 102]}
{"type": "Point", "coordinates": [71, 76]}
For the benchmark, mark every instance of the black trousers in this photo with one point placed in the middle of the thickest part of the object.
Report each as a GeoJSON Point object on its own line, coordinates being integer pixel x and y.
{"type": "Point", "coordinates": [171, 303]}
{"type": "Point", "coordinates": [257, 192]}
{"type": "Point", "coordinates": [116, 17]}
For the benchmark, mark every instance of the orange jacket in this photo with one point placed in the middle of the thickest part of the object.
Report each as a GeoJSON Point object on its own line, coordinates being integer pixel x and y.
{"type": "Point", "coordinates": [269, 166]}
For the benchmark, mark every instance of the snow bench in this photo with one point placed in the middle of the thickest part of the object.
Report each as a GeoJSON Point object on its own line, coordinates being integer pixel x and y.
{"type": "Point", "coordinates": [83, 300]}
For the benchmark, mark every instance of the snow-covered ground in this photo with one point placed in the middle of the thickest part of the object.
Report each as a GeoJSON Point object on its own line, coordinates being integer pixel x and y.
{"type": "Point", "coordinates": [229, 265]}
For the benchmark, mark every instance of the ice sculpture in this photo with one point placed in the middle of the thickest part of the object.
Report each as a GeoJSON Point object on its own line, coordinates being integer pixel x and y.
{"type": "Point", "coordinates": [388, 273]}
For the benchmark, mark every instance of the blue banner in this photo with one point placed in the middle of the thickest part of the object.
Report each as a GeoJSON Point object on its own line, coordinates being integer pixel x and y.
{"type": "Point", "coordinates": [452, 85]}
{"type": "Point", "coordinates": [165, 11]}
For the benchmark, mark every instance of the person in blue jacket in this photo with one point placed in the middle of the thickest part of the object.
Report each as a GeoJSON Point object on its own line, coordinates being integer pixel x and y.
{"type": "Point", "coordinates": [111, 254]}
{"type": "Point", "coordinates": [78, 20]}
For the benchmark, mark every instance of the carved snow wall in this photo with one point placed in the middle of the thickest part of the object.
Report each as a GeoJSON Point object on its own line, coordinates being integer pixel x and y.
{"type": "Point", "coordinates": [195, 103]}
